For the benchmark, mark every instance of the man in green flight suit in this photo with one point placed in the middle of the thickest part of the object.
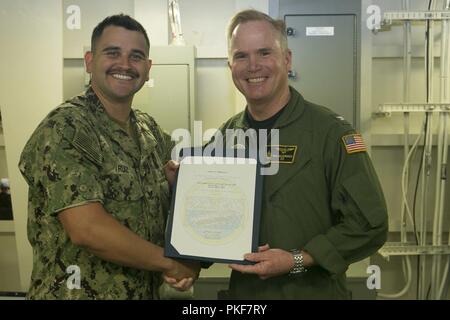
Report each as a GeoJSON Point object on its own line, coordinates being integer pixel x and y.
{"type": "Point", "coordinates": [98, 194]}
{"type": "Point", "coordinates": [324, 209]}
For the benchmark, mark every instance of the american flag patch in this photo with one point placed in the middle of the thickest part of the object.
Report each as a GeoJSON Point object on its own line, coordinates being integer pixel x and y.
{"type": "Point", "coordinates": [354, 143]}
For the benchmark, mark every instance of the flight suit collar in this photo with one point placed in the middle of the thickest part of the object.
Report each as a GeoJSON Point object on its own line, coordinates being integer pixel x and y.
{"type": "Point", "coordinates": [294, 131]}
{"type": "Point", "coordinates": [241, 121]}
{"type": "Point", "coordinates": [297, 135]}
{"type": "Point", "coordinates": [294, 110]}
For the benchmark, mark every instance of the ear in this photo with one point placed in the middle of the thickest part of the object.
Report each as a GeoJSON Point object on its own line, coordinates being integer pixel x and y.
{"type": "Point", "coordinates": [88, 58]}
{"type": "Point", "coordinates": [229, 64]}
{"type": "Point", "coordinates": [288, 59]}
{"type": "Point", "coordinates": [149, 65]}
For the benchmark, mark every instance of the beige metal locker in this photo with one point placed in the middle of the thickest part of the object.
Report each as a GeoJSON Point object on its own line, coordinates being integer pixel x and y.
{"type": "Point", "coordinates": [166, 96]}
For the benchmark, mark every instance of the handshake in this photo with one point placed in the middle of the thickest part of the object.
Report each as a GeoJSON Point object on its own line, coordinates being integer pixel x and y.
{"type": "Point", "coordinates": [182, 274]}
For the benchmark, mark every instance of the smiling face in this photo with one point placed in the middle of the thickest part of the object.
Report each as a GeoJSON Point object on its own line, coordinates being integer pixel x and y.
{"type": "Point", "coordinates": [258, 64]}
{"type": "Point", "coordinates": [119, 66]}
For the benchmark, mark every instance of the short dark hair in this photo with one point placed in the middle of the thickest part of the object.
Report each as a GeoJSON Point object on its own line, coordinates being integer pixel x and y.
{"type": "Point", "coordinates": [119, 20]}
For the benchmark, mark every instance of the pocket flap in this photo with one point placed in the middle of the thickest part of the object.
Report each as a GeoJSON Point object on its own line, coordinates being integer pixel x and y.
{"type": "Point", "coordinates": [367, 197]}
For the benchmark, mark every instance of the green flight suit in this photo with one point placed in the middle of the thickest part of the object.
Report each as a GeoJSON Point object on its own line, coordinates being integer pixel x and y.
{"type": "Point", "coordinates": [327, 201]}
{"type": "Point", "coordinates": [78, 155]}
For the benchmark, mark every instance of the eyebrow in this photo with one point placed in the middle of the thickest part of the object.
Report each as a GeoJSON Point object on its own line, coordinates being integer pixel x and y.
{"type": "Point", "coordinates": [111, 48]}
{"type": "Point", "coordinates": [138, 51]}
{"type": "Point", "coordinates": [264, 49]}
{"type": "Point", "coordinates": [115, 48]}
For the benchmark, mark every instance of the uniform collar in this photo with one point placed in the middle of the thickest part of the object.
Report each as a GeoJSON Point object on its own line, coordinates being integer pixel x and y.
{"type": "Point", "coordinates": [99, 111]}
{"type": "Point", "coordinates": [294, 109]}
{"type": "Point", "coordinates": [91, 101]}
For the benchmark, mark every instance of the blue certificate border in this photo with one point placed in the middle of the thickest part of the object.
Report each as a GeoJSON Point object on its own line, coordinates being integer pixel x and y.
{"type": "Point", "coordinates": [171, 252]}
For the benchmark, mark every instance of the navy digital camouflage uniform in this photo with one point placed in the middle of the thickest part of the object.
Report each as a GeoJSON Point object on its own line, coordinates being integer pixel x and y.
{"type": "Point", "coordinates": [78, 155]}
{"type": "Point", "coordinates": [325, 199]}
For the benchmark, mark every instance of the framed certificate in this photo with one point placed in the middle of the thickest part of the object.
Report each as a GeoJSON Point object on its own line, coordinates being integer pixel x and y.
{"type": "Point", "coordinates": [215, 210]}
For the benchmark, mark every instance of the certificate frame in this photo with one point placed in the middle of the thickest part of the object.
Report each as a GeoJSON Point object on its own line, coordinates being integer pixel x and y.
{"type": "Point", "coordinates": [169, 248]}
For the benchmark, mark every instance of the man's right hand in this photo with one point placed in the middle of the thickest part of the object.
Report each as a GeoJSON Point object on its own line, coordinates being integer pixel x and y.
{"type": "Point", "coordinates": [183, 269]}
{"type": "Point", "coordinates": [182, 285]}
{"type": "Point", "coordinates": [182, 274]}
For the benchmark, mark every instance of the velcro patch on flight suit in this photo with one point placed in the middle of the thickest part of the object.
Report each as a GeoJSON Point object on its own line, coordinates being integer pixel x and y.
{"type": "Point", "coordinates": [354, 143]}
{"type": "Point", "coordinates": [286, 154]}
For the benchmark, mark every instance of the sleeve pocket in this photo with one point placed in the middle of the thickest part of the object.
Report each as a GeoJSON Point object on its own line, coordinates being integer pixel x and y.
{"type": "Point", "coordinates": [368, 199]}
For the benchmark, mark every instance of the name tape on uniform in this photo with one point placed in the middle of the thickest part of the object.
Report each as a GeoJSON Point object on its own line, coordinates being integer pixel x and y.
{"type": "Point", "coordinates": [286, 154]}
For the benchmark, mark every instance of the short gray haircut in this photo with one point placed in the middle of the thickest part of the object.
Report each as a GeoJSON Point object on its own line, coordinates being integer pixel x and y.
{"type": "Point", "coordinates": [253, 15]}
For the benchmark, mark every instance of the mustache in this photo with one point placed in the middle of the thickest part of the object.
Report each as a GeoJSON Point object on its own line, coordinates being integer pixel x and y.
{"type": "Point", "coordinates": [128, 72]}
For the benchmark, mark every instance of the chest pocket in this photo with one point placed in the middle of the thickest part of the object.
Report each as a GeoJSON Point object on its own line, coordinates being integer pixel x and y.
{"type": "Point", "coordinates": [287, 173]}
{"type": "Point", "coordinates": [122, 186]}
{"type": "Point", "coordinates": [156, 183]}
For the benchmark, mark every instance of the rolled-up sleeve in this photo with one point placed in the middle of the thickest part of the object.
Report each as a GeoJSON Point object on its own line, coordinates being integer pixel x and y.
{"type": "Point", "coordinates": [60, 162]}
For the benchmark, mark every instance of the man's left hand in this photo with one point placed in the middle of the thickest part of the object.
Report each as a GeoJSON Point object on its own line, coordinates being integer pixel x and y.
{"type": "Point", "coordinates": [170, 169]}
{"type": "Point", "coordinates": [182, 285]}
{"type": "Point", "coordinates": [269, 262]}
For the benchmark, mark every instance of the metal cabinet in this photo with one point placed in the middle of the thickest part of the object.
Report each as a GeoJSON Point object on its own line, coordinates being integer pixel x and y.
{"type": "Point", "coordinates": [324, 60]}
{"type": "Point", "coordinates": [169, 95]}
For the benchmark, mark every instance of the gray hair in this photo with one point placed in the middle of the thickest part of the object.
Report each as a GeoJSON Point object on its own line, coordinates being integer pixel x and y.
{"type": "Point", "coordinates": [253, 15]}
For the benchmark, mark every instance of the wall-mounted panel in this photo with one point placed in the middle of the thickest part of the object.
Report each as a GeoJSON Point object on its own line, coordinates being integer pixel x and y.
{"type": "Point", "coordinates": [324, 60]}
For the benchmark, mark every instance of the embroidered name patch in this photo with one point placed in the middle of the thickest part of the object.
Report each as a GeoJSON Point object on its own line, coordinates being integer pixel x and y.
{"type": "Point", "coordinates": [122, 168]}
{"type": "Point", "coordinates": [282, 153]}
{"type": "Point", "coordinates": [354, 143]}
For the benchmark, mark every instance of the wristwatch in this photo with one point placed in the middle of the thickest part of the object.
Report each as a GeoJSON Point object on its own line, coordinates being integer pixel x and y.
{"type": "Point", "coordinates": [299, 267]}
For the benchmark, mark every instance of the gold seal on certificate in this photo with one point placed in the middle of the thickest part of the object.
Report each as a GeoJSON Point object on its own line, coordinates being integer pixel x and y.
{"type": "Point", "coordinates": [215, 209]}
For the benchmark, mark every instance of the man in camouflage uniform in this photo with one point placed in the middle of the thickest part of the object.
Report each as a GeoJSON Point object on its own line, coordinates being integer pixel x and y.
{"type": "Point", "coordinates": [324, 208]}
{"type": "Point", "coordinates": [98, 195]}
